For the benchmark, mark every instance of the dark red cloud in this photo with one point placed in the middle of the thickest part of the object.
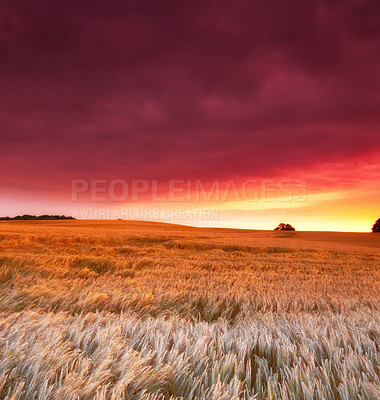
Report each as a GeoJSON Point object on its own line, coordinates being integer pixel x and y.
{"type": "Point", "coordinates": [179, 89]}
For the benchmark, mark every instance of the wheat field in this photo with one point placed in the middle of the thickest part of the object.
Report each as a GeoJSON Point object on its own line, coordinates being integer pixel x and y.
{"type": "Point", "coordinates": [134, 310]}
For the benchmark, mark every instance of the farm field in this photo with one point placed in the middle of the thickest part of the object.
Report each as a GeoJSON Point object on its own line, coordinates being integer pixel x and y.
{"type": "Point", "coordinates": [138, 310]}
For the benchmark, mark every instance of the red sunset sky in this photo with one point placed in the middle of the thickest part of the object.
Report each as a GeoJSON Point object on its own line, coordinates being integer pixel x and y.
{"type": "Point", "coordinates": [193, 91]}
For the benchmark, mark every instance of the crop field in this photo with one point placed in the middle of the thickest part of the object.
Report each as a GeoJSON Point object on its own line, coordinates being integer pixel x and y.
{"type": "Point", "coordinates": [134, 310]}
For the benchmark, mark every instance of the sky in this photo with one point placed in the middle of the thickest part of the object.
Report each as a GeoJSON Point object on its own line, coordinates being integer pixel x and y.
{"type": "Point", "coordinates": [198, 102]}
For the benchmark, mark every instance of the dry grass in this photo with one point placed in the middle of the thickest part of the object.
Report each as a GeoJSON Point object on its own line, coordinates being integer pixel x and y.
{"type": "Point", "coordinates": [123, 310]}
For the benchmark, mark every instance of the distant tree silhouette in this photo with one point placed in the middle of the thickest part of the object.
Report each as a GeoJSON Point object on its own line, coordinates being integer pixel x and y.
{"type": "Point", "coordinates": [376, 226]}
{"type": "Point", "coordinates": [34, 217]}
{"type": "Point", "coordinates": [284, 227]}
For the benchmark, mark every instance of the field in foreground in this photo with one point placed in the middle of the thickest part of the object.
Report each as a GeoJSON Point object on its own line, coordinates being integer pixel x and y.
{"type": "Point", "coordinates": [123, 310]}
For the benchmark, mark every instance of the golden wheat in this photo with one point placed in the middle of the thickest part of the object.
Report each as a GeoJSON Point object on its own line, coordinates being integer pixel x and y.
{"type": "Point", "coordinates": [123, 310]}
